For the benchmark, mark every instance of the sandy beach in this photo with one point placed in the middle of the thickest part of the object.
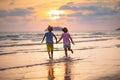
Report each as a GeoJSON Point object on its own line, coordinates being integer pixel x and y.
{"type": "Point", "coordinates": [93, 59]}
{"type": "Point", "coordinates": [88, 29]}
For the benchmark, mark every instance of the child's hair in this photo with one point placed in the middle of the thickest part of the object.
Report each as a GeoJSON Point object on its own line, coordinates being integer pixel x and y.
{"type": "Point", "coordinates": [65, 29]}
{"type": "Point", "coordinates": [50, 28]}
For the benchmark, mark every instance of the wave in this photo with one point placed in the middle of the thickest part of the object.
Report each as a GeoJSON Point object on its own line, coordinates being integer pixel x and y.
{"type": "Point", "coordinates": [44, 63]}
{"type": "Point", "coordinates": [98, 33]}
{"type": "Point", "coordinates": [13, 45]}
{"type": "Point", "coordinates": [118, 45]}
{"type": "Point", "coordinates": [19, 36]}
{"type": "Point", "coordinates": [42, 50]}
{"type": "Point", "coordinates": [22, 66]}
{"type": "Point", "coordinates": [38, 36]}
{"type": "Point", "coordinates": [32, 44]}
{"type": "Point", "coordinates": [118, 38]}
{"type": "Point", "coordinates": [92, 40]}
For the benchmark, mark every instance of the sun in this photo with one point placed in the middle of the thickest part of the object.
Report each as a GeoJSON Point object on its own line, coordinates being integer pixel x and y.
{"type": "Point", "coordinates": [56, 14]}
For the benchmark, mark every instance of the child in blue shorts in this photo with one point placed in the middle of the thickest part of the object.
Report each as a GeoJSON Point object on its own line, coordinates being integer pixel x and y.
{"type": "Point", "coordinates": [49, 41]}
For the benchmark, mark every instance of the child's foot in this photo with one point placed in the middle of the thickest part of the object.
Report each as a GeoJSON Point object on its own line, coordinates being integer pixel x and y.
{"type": "Point", "coordinates": [67, 58]}
{"type": "Point", "coordinates": [51, 57]}
{"type": "Point", "coordinates": [72, 51]}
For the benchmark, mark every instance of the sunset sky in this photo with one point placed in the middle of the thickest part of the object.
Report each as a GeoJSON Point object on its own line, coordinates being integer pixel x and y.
{"type": "Point", "coordinates": [36, 15]}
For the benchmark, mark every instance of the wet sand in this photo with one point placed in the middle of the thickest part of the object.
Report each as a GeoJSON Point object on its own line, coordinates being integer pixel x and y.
{"type": "Point", "coordinates": [93, 59]}
{"type": "Point", "coordinates": [94, 64]}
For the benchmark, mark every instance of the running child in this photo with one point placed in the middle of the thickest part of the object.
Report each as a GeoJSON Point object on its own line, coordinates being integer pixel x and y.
{"type": "Point", "coordinates": [67, 39]}
{"type": "Point", "coordinates": [49, 41]}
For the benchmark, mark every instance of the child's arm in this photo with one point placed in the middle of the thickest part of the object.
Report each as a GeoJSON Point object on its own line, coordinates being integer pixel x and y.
{"type": "Point", "coordinates": [71, 40]}
{"type": "Point", "coordinates": [43, 39]}
{"type": "Point", "coordinates": [55, 38]}
{"type": "Point", "coordinates": [59, 39]}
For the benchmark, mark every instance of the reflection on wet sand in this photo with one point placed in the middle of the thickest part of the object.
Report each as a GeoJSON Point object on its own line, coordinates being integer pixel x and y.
{"type": "Point", "coordinates": [67, 71]}
{"type": "Point", "coordinates": [60, 72]}
{"type": "Point", "coordinates": [51, 72]}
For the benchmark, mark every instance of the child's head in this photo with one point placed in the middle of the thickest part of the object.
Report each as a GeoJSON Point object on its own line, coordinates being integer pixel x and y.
{"type": "Point", "coordinates": [50, 28]}
{"type": "Point", "coordinates": [65, 29]}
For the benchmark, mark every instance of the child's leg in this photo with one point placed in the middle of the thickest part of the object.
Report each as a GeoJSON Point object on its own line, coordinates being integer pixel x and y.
{"type": "Point", "coordinates": [65, 49]}
{"type": "Point", "coordinates": [51, 54]}
{"type": "Point", "coordinates": [51, 46]}
{"type": "Point", "coordinates": [69, 48]}
{"type": "Point", "coordinates": [48, 49]}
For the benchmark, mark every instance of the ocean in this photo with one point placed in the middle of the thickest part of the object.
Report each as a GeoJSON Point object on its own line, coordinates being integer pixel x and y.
{"type": "Point", "coordinates": [23, 50]}
{"type": "Point", "coordinates": [13, 43]}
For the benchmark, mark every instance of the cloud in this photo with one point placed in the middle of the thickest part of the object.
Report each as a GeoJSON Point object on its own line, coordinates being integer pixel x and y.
{"type": "Point", "coordinates": [16, 12]}
{"type": "Point", "coordinates": [94, 14]}
{"type": "Point", "coordinates": [10, 20]}
{"type": "Point", "coordinates": [95, 9]}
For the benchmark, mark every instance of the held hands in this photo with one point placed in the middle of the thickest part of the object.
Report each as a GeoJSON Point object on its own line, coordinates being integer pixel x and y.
{"type": "Point", "coordinates": [57, 42]}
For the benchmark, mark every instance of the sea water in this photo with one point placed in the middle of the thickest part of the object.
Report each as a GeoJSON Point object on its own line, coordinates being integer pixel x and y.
{"type": "Point", "coordinates": [23, 57]}
{"type": "Point", "coordinates": [15, 42]}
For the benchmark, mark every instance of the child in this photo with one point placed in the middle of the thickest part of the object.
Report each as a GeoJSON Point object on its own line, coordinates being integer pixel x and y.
{"type": "Point", "coordinates": [66, 40]}
{"type": "Point", "coordinates": [49, 41]}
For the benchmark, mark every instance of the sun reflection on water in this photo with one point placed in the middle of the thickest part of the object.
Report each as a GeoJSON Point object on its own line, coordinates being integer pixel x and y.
{"type": "Point", "coordinates": [59, 72]}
